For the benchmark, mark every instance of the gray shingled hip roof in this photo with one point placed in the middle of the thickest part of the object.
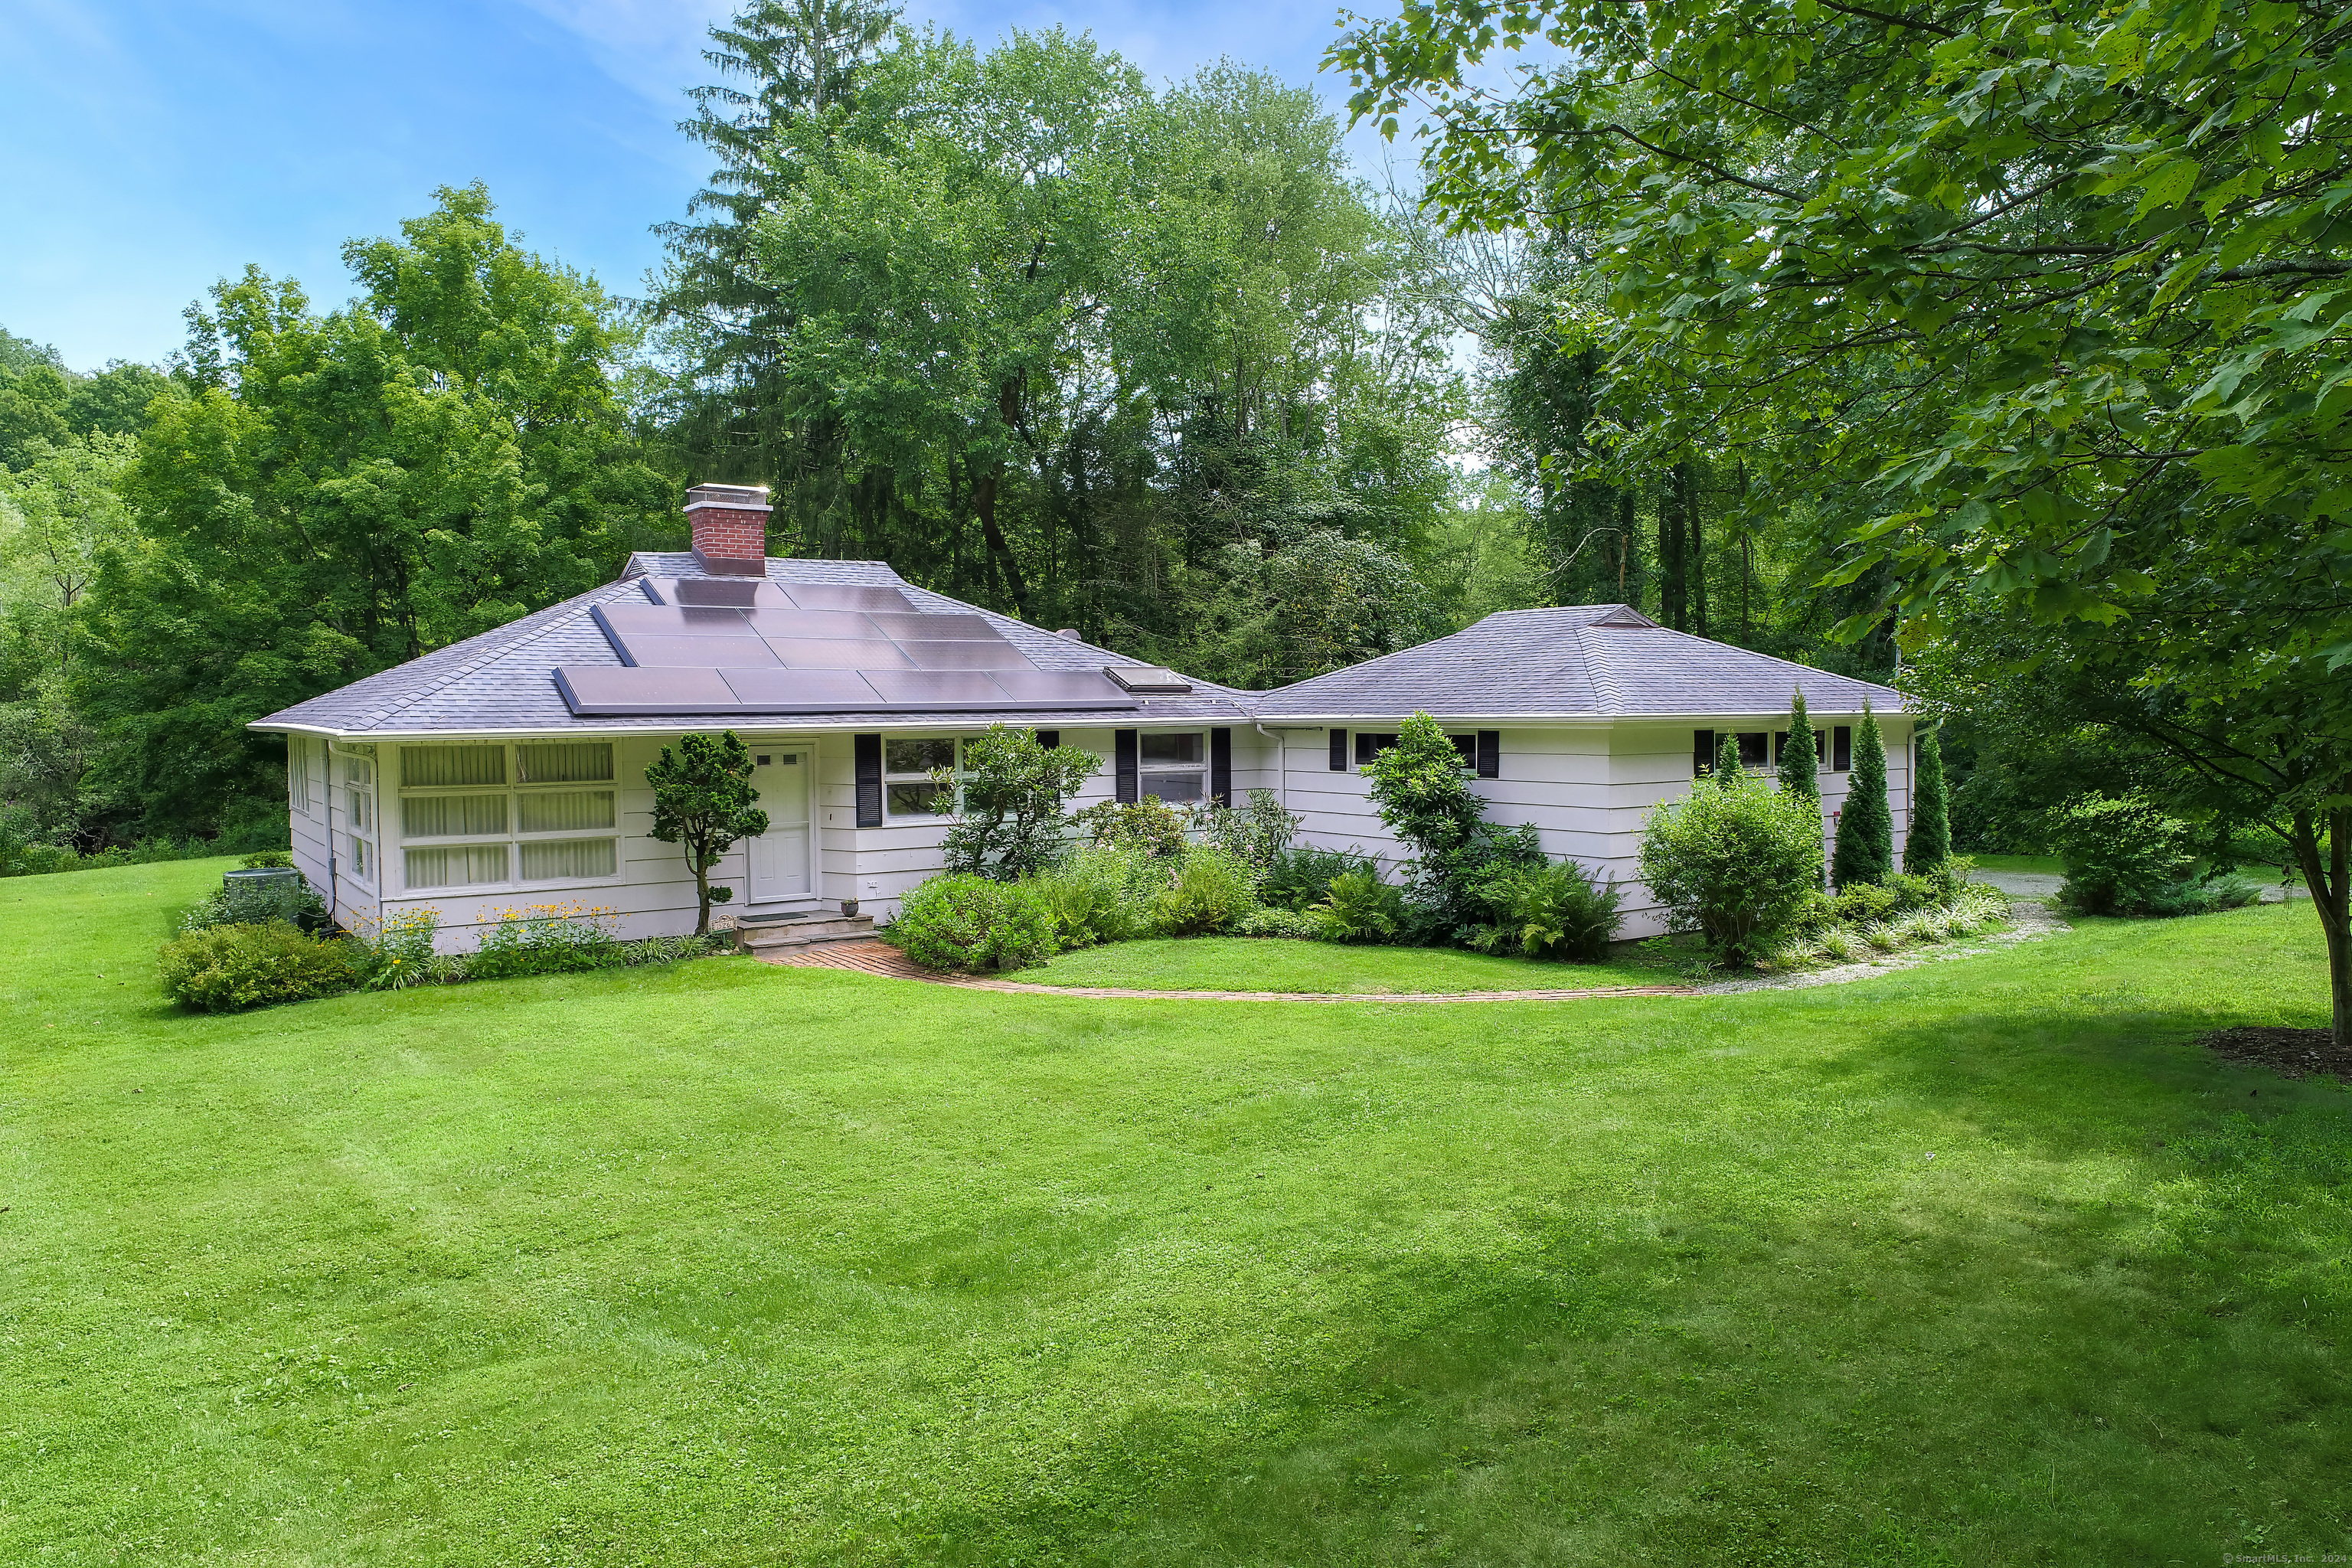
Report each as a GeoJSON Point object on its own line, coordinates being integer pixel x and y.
{"type": "Point", "coordinates": [504, 681]}
{"type": "Point", "coordinates": [1578, 661]}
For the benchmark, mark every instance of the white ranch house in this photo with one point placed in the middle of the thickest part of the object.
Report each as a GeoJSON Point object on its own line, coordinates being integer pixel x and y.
{"type": "Point", "coordinates": [510, 768]}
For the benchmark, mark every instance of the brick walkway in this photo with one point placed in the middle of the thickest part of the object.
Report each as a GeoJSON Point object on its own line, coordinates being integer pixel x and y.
{"type": "Point", "coordinates": [881, 958]}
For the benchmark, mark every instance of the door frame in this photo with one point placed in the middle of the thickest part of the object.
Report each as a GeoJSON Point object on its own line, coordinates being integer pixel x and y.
{"type": "Point", "coordinates": [806, 766]}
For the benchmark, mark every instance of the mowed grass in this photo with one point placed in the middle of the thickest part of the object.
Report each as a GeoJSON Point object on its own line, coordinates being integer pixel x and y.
{"type": "Point", "coordinates": [1259, 963]}
{"type": "Point", "coordinates": [1979, 1263]}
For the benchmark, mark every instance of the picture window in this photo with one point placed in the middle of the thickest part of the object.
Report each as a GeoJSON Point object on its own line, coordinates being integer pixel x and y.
{"type": "Point", "coordinates": [538, 813]}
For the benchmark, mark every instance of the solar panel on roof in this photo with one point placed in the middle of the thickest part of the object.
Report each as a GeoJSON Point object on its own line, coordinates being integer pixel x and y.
{"type": "Point", "coordinates": [832, 653]}
{"type": "Point", "coordinates": [816, 691]}
{"type": "Point", "coordinates": [846, 597]}
{"type": "Point", "coordinates": [738, 592]}
{"type": "Point", "coordinates": [940, 628]}
{"type": "Point", "coordinates": [697, 653]}
{"type": "Point", "coordinates": [969, 654]}
{"type": "Point", "coordinates": [933, 687]}
{"type": "Point", "coordinates": [812, 624]}
{"type": "Point", "coordinates": [608, 688]}
{"type": "Point", "coordinates": [670, 620]}
{"type": "Point", "coordinates": [1069, 688]}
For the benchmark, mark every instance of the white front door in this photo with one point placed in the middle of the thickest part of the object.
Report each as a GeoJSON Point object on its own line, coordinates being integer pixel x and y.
{"type": "Point", "coordinates": [781, 858]}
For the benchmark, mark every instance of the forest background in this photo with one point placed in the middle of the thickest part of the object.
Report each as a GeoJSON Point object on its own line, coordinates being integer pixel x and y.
{"type": "Point", "coordinates": [1153, 364]}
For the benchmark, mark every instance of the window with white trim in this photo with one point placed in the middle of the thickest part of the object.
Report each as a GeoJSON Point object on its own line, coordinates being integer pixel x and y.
{"type": "Point", "coordinates": [907, 765]}
{"type": "Point", "coordinates": [1173, 767]}
{"type": "Point", "coordinates": [357, 778]}
{"type": "Point", "coordinates": [531, 814]}
{"type": "Point", "coordinates": [298, 773]}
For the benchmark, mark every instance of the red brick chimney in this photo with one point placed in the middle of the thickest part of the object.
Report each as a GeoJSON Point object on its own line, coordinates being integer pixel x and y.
{"type": "Point", "coordinates": [730, 529]}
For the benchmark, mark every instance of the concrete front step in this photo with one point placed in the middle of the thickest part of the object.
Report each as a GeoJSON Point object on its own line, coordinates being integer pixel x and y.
{"type": "Point", "coordinates": [770, 936]}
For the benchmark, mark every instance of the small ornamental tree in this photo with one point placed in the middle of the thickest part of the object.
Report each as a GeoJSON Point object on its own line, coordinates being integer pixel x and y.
{"type": "Point", "coordinates": [1008, 822]}
{"type": "Point", "coordinates": [1864, 851]}
{"type": "Point", "coordinates": [1929, 843]}
{"type": "Point", "coordinates": [703, 799]}
{"type": "Point", "coordinates": [1737, 858]}
{"type": "Point", "coordinates": [1800, 767]}
{"type": "Point", "coordinates": [1422, 787]}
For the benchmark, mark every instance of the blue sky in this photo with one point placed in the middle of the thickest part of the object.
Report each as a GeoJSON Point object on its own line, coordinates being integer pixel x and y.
{"type": "Point", "coordinates": [147, 149]}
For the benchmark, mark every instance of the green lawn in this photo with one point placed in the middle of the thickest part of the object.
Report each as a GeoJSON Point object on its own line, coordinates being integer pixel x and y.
{"type": "Point", "coordinates": [1979, 1263]}
{"type": "Point", "coordinates": [2031, 865]}
{"type": "Point", "coordinates": [1257, 964]}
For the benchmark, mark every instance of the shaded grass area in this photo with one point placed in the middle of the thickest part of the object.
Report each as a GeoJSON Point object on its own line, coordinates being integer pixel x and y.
{"type": "Point", "coordinates": [1261, 964]}
{"type": "Point", "coordinates": [1979, 1263]}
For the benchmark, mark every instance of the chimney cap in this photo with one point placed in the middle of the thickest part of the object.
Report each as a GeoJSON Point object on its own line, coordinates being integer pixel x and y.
{"type": "Point", "coordinates": [733, 498]}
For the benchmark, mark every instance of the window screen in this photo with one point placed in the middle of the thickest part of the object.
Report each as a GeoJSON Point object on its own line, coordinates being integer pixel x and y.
{"type": "Point", "coordinates": [1842, 749]}
{"type": "Point", "coordinates": [565, 810]}
{"type": "Point", "coordinates": [1368, 745]}
{"type": "Point", "coordinates": [457, 866]}
{"type": "Point", "coordinates": [453, 816]}
{"type": "Point", "coordinates": [564, 859]}
{"type": "Point", "coordinates": [1173, 767]}
{"type": "Point", "coordinates": [564, 762]}
{"type": "Point", "coordinates": [442, 767]}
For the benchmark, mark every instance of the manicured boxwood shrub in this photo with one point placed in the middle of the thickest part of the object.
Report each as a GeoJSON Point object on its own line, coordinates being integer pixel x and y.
{"type": "Point", "coordinates": [223, 969]}
{"type": "Point", "coordinates": [968, 924]}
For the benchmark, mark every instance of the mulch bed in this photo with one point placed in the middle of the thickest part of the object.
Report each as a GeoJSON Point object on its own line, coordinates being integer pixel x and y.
{"type": "Point", "coordinates": [2291, 1053]}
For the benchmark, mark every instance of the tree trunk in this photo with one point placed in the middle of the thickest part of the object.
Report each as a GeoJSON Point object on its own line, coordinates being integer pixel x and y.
{"type": "Point", "coordinates": [983, 506]}
{"type": "Point", "coordinates": [702, 895]}
{"type": "Point", "coordinates": [2330, 881]}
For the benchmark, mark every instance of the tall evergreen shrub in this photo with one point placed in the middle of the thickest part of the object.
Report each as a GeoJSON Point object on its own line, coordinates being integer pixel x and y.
{"type": "Point", "coordinates": [1799, 768]}
{"type": "Point", "coordinates": [1864, 852]}
{"type": "Point", "coordinates": [1929, 843]}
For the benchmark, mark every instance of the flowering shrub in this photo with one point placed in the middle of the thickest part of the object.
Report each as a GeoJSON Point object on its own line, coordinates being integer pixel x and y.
{"type": "Point", "coordinates": [545, 938]}
{"type": "Point", "coordinates": [224, 968]}
{"type": "Point", "coordinates": [398, 951]}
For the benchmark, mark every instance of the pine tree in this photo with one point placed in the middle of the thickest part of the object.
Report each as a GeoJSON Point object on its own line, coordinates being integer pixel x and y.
{"type": "Point", "coordinates": [1727, 756]}
{"type": "Point", "coordinates": [1799, 765]}
{"type": "Point", "coordinates": [1929, 843]}
{"type": "Point", "coordinates": [1866, 831]}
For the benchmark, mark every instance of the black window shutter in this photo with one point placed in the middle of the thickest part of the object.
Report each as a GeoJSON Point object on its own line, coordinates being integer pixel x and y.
{"type": "Point", "coordinates": [1338, 751]}
{"type": "Point", "coordinates": [1702, 753]}
{"type": "Point", "coordinates": [1490, 754]}
{"type": "Point", "coordinates": [869, 781]}
{"type": "Point", "coordinates": [1122, 749]}
{"type": "Point", "coordinates": [1049, 739]}
{"type": "Point", "coordinates": [1842, 750]}
{"type": "Point", "coordinates": [1221, 766]}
